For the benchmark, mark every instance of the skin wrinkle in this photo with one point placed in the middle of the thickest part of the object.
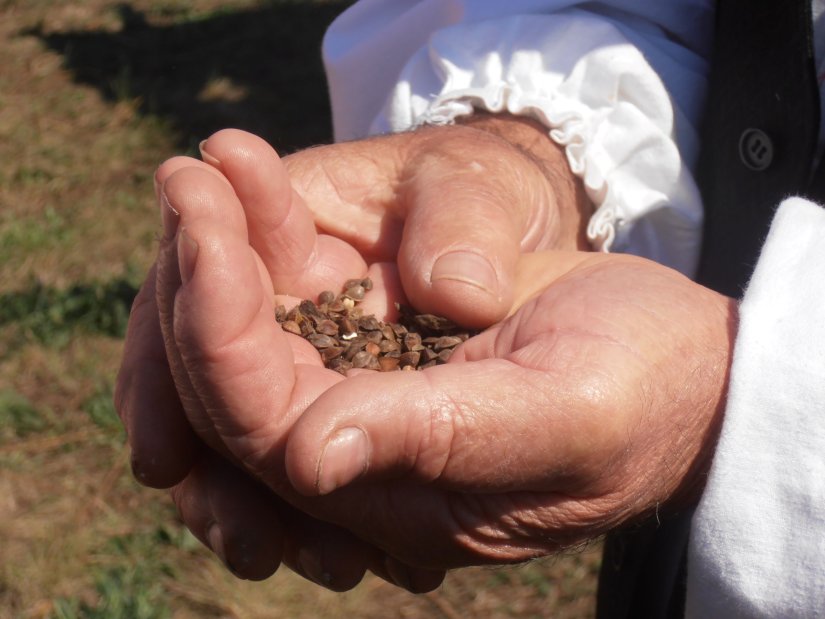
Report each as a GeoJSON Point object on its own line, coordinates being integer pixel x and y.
{"type": "Point", "coordinates": [409, 187]}
{"type": "Point", "coordinates": [424, 162]}
{"type": "Point", "coordinates": [541, 373]}
{"type": "Point", "coordinates": [492, 543]}
{"type": "Point", "coordinates": [542, 228]}
{"type": "Point", "coordinates": [269, 426]}
{"type": "Point", "coordinates": [272, 229]}
{"type": "Point", "coordinates": [607, 469]}
{"type": "Point", "coordinates": [625, 459]}
{"type": "Point", "coordinates": [471, 537]}
{"type": "Point", "coordinates": [495, 461]}
{"type": "Point", "coordinates": [673, 456]}
{"type": "Point", "coordinates": [444, 412]}
{"type": "Point", "coordinates": [324, 174]}
{"type": "Point", "coordinates": [274, 475]}
{"type": "Point", "coordinates": [168, 271]}
{"type": "Point", "coordinates": [699, 461]}
{"type": "Point", "coordinates": [194, 356]}
{"type": "Point", "coordinates": [531, 139]}
{"type": "Point", "coordinates": [223, 348]}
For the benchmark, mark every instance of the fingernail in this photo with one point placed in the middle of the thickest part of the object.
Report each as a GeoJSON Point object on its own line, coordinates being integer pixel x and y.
{"type": "Point", "coordinates": [310, 562]}
{"type": "Point", "coordinates": [238, 558]}
{"type": "Point", "coordinates": [213, 161]}
{"type": "Point", "coordinates": [467, 267]}
{"type": "Point", "coordinates": [169, 216]}
{"type": "Point", "coordinates": [345, 459]}
{"type": "Point", "coordinates": [187, 254]}
{"type": "Point", "coordinates": [214, 536]}
{"type": "Point", "coordinates": [137, 469]}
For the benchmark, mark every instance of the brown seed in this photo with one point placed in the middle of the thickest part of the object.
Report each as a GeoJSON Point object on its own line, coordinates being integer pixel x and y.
{"type": "Point", "coordinates": [308, 308]}
{"type": "Point", "coordinates": [340, 365]}
{"type": "Point", "coordinates": [412, 341]}
{"type": "Point", "coordinates": [388, 333]}
{"type": "Point", "coordinates": [433, 323]}
{"type": "Point", "coordinates": [389, 346]}
{"type": "Point", "coordinates": [295, 315]}
{"type": "Point", "coordinates": [427, 355]}
{"type": "Point", "coordinates": [327, 327]}
{"type": "Point", "coordinates": [369, 323]}
{"type": "Point", "coordinates": [355, 292]}
{"type": "Point", "coordinates": [374, 336]}
{"type": "Point", "coordinates": [388, 364]}
{"type": "Point", "coordinates": [326, 297]}
{"type": "Point", "coordinates": [445, 354]}
{"type": "Point", "coordinates": [319, 340]}
{"type": "Point", "coordinates": [347, 327]}
{"type": "Point", "coordinates": [346, 338]}
{"type": "Point", "coordinates": [364, 359]}
{"type": "Point", "coordinates": [447, 341]}
{"type": "Point", "coordinates": [409, 358]}
{"type": "Point", "coordinates": [355, 345]}
{"type": "Point", "coordinates": [333, 352]}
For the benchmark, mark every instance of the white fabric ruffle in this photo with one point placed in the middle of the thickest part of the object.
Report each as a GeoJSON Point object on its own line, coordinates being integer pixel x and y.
{"type": "Point", "coordinates": [598, 96]}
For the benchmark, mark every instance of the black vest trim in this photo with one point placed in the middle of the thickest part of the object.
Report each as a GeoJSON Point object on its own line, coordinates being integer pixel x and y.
{"type": "Point", "coordinates": [763, 97]}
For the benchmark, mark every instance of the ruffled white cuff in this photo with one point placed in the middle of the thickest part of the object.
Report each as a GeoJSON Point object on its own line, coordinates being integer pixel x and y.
{"type": "Point", "coordinates": [581, 77]}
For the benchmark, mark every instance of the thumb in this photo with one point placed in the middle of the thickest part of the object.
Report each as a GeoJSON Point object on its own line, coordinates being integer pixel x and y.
{"type": "Point", "coordinates": [474, 204]}
{"type": "Point", "coordinates": [486, 425]}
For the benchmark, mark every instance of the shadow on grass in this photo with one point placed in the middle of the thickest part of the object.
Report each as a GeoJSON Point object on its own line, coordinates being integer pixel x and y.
{"type": "Point", "coordinates": [257, 69]}
{"type": "Point", "coordinates": [51, 315]}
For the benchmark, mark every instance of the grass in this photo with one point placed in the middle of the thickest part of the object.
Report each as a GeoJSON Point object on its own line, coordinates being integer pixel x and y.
{"type": "Point", "coordinates": [93, 95]}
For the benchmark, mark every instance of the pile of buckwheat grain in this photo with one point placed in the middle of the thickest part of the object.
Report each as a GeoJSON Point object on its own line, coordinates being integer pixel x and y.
{"type": "Point", "coordinates": [346, 338]}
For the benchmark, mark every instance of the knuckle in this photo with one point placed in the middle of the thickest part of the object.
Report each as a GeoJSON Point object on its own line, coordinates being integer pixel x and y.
{"type": "Point", "coordinates": [436, 441]}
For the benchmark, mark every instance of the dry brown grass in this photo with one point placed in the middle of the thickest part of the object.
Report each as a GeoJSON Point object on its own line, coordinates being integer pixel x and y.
{"type": "Point", "coordinates": [83, 122]}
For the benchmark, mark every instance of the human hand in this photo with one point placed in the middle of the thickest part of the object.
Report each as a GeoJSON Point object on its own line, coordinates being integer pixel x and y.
{"type": "Point", "coordinates": [596, 402]}
{"type": "Point", "coordinates": [164, 446]}
{"type": "Point", "coordinates": [393, 191]}
{"type": "Point", "coordinates": [251, 530]}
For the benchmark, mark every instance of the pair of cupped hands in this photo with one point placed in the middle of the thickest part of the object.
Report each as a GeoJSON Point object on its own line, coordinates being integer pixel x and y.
{"type": "Point", "coordinates": [592, 397]}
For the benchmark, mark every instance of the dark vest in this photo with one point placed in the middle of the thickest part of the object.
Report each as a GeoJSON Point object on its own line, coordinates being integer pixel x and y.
{"type": "Point", "coordinates": [759, 139]}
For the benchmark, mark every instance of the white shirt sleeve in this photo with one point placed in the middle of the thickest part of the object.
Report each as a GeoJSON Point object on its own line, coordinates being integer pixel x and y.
{"type": "Point", "coordinates": [757, 544]}
{"type": "Point", "coordinates": [620, 85]}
